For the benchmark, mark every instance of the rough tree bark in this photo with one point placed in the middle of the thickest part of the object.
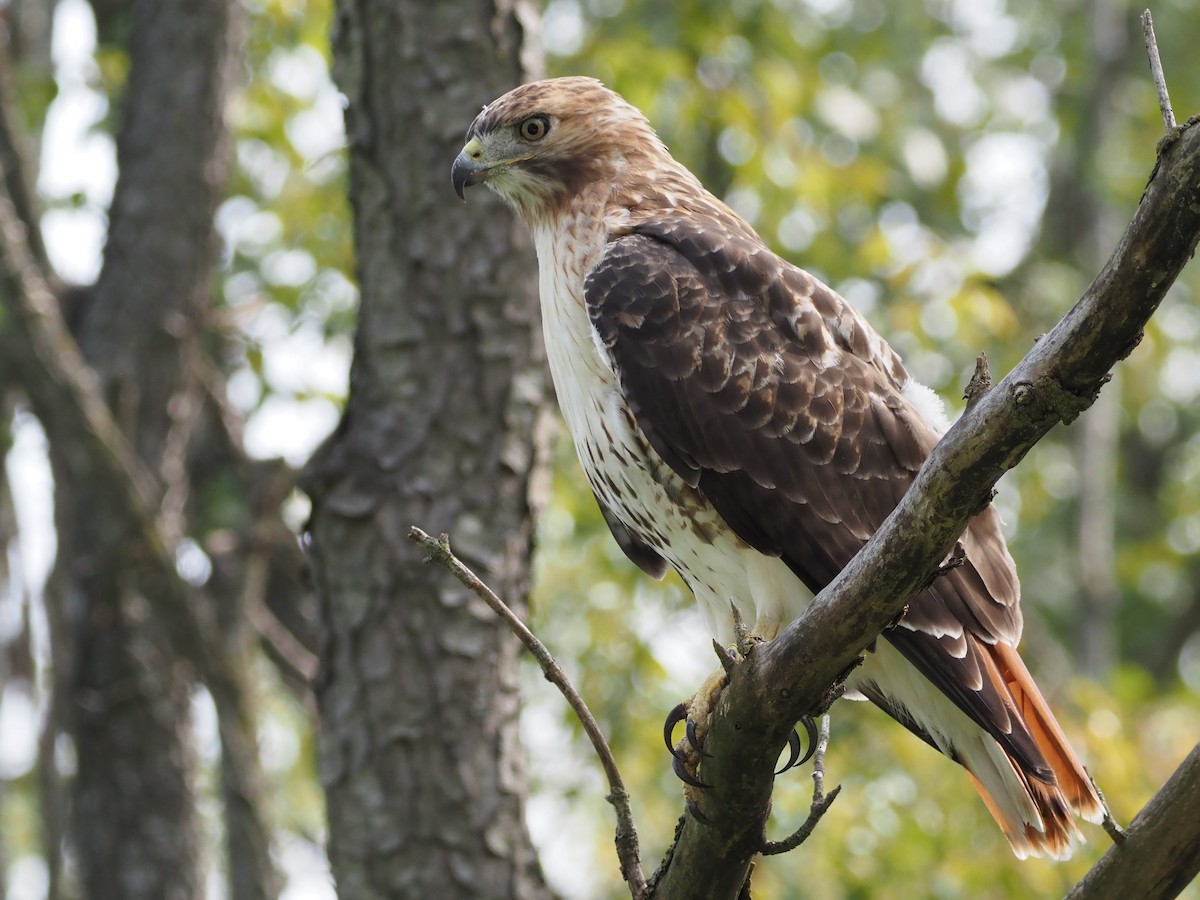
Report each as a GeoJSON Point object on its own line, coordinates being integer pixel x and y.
{"type": "Point", "coordinates": [419, 752]}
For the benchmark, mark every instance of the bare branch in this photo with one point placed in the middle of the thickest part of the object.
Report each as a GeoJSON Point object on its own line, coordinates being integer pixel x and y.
{"type": "Point", "coordinates": [1109, 824]}
{"type": "Point", "coordinates": [1156, 71]}
{"type": "Point", "coordinates": [286, 650]}
{"type": "Point", "coordinates": [438, 550]}
{"type": "Point", "coordinates": [1160, 852]}
{"type": "Point", "coordinates": [727, 659]}
{"type": "Point", "coordinates": [980, 383]}
{"type": "Point", "coordinates": [818, 775]}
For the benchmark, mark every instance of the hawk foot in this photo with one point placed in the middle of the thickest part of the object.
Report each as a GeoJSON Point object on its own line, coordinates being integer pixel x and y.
{"type": "Point", "coordinates": [695, 713]}
{"type": "Point", "coordinates": [687, 754]}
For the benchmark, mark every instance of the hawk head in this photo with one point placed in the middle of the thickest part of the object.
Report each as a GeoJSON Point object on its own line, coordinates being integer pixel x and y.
{"type": "Point", "coordinates": [545, 142]}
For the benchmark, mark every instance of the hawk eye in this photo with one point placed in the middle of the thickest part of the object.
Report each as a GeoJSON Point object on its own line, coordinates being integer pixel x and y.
{"type": "Point", "coordinates": [535, 128]}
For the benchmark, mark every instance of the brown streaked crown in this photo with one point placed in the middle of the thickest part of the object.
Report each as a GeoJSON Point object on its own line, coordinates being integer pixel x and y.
{"type": "Point", "coordinates": [594, 136]}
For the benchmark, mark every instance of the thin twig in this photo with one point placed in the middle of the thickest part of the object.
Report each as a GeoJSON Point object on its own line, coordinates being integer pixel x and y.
{"type": "Point", "coordinates": [1156, 71]}
{"type": "Point", "coordinates": [820, 802]}
{"type": "Point", "coordinates": [299, 662]}
{"type": "Point", "coordinates": [818, 775]}
{"type": "Point", "coordinates": [1111, 826]}
{"type": "Point", "coordinates": [728, 660]}
{"type": "Point", "coordinates": [438, 550]}
{"type": "Point", "coordinates": [741, 631]}
{"type": "Point", "coordinates": [1115, 831]}
{"type": "Point", "coordinates": [980, 383]}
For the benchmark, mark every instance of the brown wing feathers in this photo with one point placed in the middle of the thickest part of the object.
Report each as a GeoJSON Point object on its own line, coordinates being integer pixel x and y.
{"type": "Point", "coordinates": [961, 669]}
{"type": "Point", "coordinates": [803, 449]}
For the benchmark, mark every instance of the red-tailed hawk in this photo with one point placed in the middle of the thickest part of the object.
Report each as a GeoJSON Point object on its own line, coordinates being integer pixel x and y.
{"type": "Point", "coordinates": [742, 423]}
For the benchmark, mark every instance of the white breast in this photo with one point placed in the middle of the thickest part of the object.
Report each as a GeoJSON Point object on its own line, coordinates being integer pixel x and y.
{"type": "Point", "coordinates": [630, 479]}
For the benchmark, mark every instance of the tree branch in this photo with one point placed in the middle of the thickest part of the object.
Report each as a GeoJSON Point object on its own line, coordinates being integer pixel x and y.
{"type": "Point", "coordinates": [1160, 853]}
{"type": "Point", "coordinates": [1061, 376]}
{"type": "Point", "coordinates": [1156, 71]}
{"type": "Point", "coordinates": [438, 550]}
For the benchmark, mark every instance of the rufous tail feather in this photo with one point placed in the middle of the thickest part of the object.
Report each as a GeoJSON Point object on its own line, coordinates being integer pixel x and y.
{"type": "Point", "coordinates": [1057, 803]}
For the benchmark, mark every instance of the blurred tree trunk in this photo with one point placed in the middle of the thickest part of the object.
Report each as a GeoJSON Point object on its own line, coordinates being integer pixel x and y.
{"type": "Point", "coordinates": [1078, 228]}
{"type": "Point", "coordinates": [135, 827]}
{"type": "Point", "coordinates": [419, 749]}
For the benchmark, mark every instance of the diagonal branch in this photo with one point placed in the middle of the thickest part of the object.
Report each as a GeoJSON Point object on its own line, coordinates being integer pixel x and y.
{"type": "Point", "coordinates": [1059, 378]}
{"type": "Point", "coordinates": [1156, 71]}
{"type": "Point", "coordinates": [1160, 851]}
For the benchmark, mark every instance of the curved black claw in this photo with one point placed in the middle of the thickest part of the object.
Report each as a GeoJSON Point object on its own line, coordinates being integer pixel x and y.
{"type": "Point", "coordinates": [690, 730]}
{"type": "Point", "coordinates": [794, 758]}
{"type": "Point", "coordinates": [810, 728]}
{"type": "Point", "coordinates": [683, 775]}
{"type": "Point", "coordinates": [696, 814]}
{"type": "Point", "coordinates": [674, 717]}
{"type": "Point", "coordinates": [794, 754]}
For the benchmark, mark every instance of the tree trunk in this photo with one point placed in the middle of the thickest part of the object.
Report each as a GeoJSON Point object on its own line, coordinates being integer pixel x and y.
{"type": "Point", "coordinates": [1078, 227]}
{"type": "Point", "coordinates": [135, 826]}
{"type": "Point", "coordinates": [419, 750]}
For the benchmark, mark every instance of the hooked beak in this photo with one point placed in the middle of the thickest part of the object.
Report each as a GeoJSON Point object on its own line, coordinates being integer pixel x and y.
{"type": "Point", "coordinates": [469, 168]}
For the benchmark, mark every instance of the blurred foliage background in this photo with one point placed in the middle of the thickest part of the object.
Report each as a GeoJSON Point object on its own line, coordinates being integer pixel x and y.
{"type": "Point", "coordinates": [959, 171]}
